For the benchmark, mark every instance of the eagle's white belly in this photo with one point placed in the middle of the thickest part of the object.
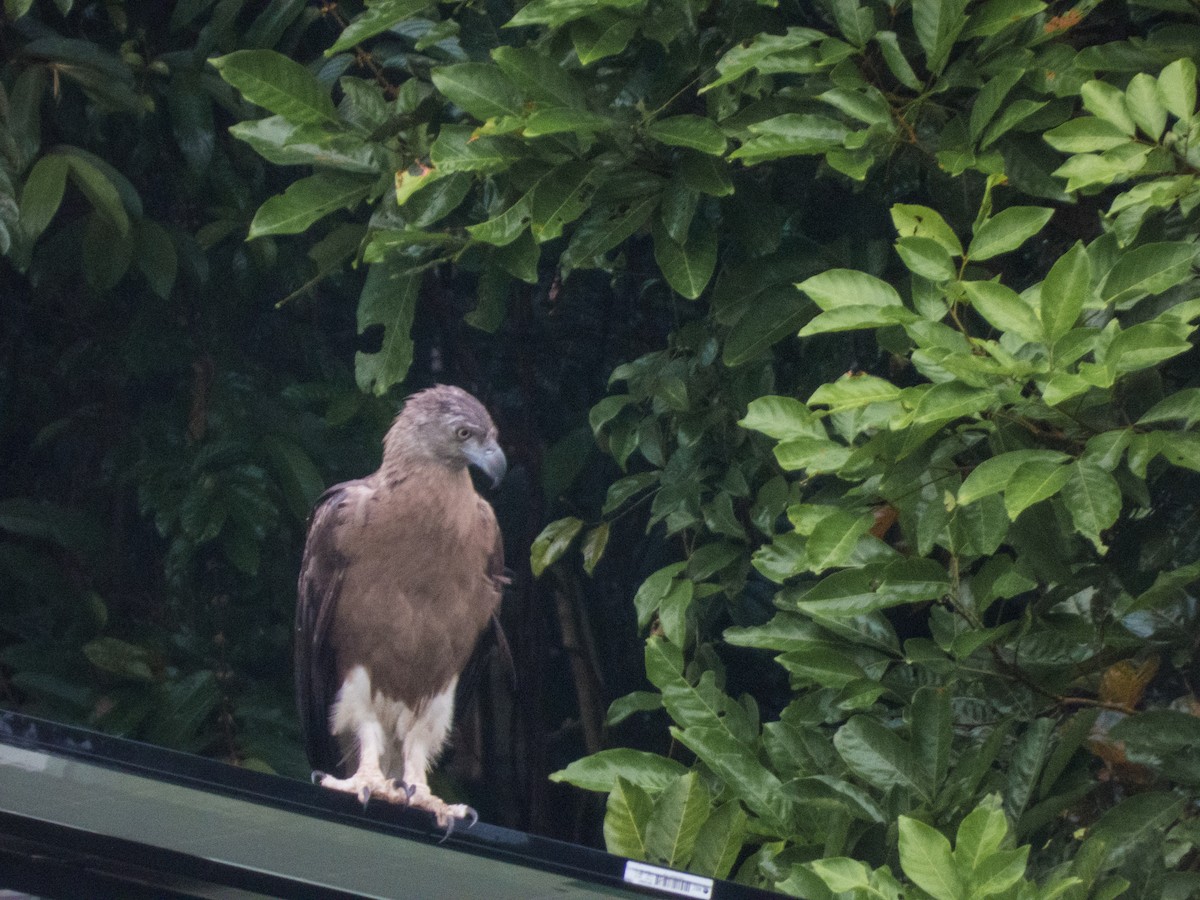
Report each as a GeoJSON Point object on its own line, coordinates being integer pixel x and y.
{"type": "Point", "coordinates": [406, 741]}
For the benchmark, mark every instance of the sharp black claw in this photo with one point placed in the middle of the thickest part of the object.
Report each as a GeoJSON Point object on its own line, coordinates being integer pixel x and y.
{"type": "Point", "coordinates": [317, 776]}
{"type": "Point", "coordinates": [400, 787]}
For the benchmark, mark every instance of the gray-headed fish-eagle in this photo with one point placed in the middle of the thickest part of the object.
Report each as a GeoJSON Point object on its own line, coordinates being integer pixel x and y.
{"type": "Point", "coordinates": [402, 575]}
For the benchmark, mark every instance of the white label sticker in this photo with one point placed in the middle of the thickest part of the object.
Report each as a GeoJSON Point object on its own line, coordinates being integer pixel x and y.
{"type": "Point", "coordinates": [668, 880]}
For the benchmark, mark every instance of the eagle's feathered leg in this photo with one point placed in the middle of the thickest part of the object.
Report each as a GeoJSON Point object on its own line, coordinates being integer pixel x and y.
{"type": "Point", "coordinates": [423, 740]}
{"type": "Point", "coordinates": [353, 714]}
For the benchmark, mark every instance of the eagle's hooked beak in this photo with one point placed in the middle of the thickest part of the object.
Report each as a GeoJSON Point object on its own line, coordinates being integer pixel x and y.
{"type": "Point", "coordinates": [488, 458]}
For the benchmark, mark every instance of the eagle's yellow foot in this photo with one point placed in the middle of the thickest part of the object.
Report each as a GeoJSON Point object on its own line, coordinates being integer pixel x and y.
{"type": "Point", "coordinates": [366, 786]}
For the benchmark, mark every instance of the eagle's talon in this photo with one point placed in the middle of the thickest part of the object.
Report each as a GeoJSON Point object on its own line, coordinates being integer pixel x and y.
{"type": "Point", "coordinates": [318, 776]}
{"type": "Point", "coordinates": [473, 816]}
{"type": "Point", "coordinates": [364, 794]}
{"type": "Point", "coordinates": [403, 792]}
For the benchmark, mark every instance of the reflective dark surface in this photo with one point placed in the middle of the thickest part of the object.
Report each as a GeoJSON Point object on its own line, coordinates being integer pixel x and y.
{"type": "Point", "coordinates": [88, 815]}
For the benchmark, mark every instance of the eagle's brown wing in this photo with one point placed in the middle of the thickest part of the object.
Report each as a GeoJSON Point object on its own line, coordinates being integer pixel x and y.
{"type": "Point", "coordinates": [492, 642]}
{"type": "Point", "coordinates": [322, 572]}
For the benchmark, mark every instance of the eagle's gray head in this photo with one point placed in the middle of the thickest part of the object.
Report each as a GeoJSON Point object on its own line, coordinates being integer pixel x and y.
{"type": "Point", "coordinates": [446, 424]}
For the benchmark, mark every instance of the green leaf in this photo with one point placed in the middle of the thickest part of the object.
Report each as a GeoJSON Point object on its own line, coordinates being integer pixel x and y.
{"type": "Point", "coordinates": [951, 400]}
{"type": "Point", "coordinates": [559, 198]}
{"type": "Point", "coordinates": [1184, 405]}
{"type": "Point", "coordinates": [791, 134]}
{"type": "Point", "coordinates": [993, 16]}
{"type": "Point", "coordinates": [307, 200]}
{"type": "Point", "coordinates": [389, 298]}
{"type": "Point", "coordinates": [1148, 269]}
{"type": "Point", "coordinates": [459, 149]}
{"type": "Point", "coordinates": [878, 756]}
{"type": "Point", "coordinates": [675, 823]}
{"type": "Point", "coordinates": [1108, 103]}
{"type": "Point", "coordinates": [298, 476]}
{"type": "Point", "coordinates": [479, 89]}
{"type": "Point", "coordinates": [1033, 482]}
{"type": "Point", "coordinates": [626, 816]}
{"type": "Point", "coordinates": [605, 227]}
{"type": "Point", "coordinates": [719, 841]}
{"type": "Point", "coordinates": [694, 132]}
{"type": "Point", "coordinates": [1085, 134]}
{"type": "Point", "coordinates": [1004, 308]}
{"type": "Point", "coordinates": [843, 875]}
{"type": "Point", "coordinates": [1144, 104]}
{"type": "Point", "coordinates": [790, 51]}
{"type": "Point", "coordinates": [897, 62]}
{"type": "Point", "coordinates": [849, 287]}
{"type": "Point", "coordinates": [100, 190]}
{"type": "Point", "coordinates": [926, 859]}
{"type": "Point", "coordinates": [993, 475]}
{"type": "Point", "coordinates": [783, 418]}
{"type": "Point", "coordinates": [990, 96]}
{"type": "Point", "coordinates": [120, 658]}
{"type": "Point", "coordinates": [505, 228]}
{"type": "Point", "coordinates": [600, 771]}
{"type": "Point", "coordinates": [923, 222]}
{"type": "Point", "coordinates": [556, 120]}
{"type": "Point", "coordinates": [1093, 499]}
{"type": "Point", "coordinates": [106, 255]}
{"type": "Point", "coordinates": [1142, 817]}
{"type": "Point", "coordinates": [1146, 345]}
{"type": "Point", "coordinates": [1010, 117]}
{"type": "Point", "coordinates": [688, 267]}
{"type": "Point", "coordinates": [1025, 768]}
{"type": "Point", "coordinates": [980, 835]}
{"type": "Point", "coordinates": [812, 454]}
{"type": "Point", "coordinates": [541, 78]}
{"type": "Point", "coordinates": [833, 540]}
{"type": "Point", "coordinates": [737, 765]}
{"type": "Point", "coordinates": [776, 314]}
{"type": "Point", "coordinates": [856, 318]}
{"type": "Point", "coordinates": [593, 546]}
{"type": "Point", "coordinates": [841, 795]}
{"type": "Point", "coordinates": [866, 104]}
{"type": "Point", "coordinates": [379, 16]}
{"type": "Point", "coordinates": [926, 257]}
{"type": "Point", "coordinates": [42, 194]}
{"type": "Point", "coordinates": [553, 541]}
{"type": "Point", "coordinates": [14, 9]}
{"type": "Point", "coordinates": [559, 12]}
{"type": "Point", "coordinates": [1177, 87]}
{"type": "Point", "coordinates": [1007, 230]}
{"type": "Point", "coordinates": [157, 259]}
{"type": "Point", "coordinates": [673, 608]}
{"type": "Point", "coordinates": [701, 704]}
{"type": "Point", "coordinates": [601, 35]}
{"type": "Point", "coordinates": [634, 702]}
{"type": "Point", "coordinates": [852, 391]}
{"type": "Point", "coordinates": [652, 591]}
{"type": "Point", "coordinates": [937, 24]}
{"type": "Point", "coordinates": [1065, 293]}
{"type": "Point", "coordinates": [279, 85]}
{"type": "Point", "coordinates": [932, 724]}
